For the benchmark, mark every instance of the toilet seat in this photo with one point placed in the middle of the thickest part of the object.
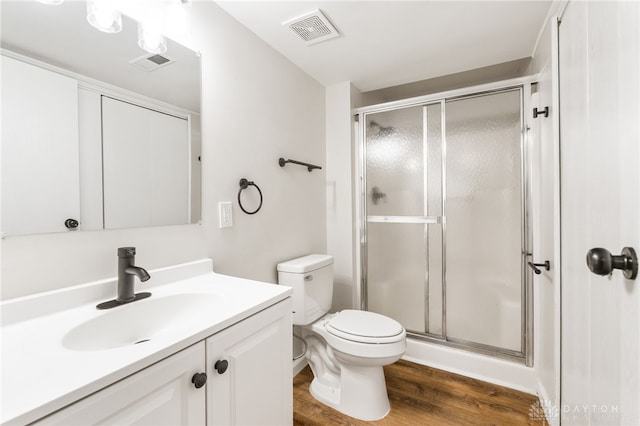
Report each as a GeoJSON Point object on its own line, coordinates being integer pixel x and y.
{"type": "Point", "coordinates": [365, 327]}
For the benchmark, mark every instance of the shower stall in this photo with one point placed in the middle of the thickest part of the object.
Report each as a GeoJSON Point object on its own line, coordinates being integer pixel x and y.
{"type": "Point", "coordinates": [444, 227]}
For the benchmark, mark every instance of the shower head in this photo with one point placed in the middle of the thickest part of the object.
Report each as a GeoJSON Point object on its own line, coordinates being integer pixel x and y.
{"type": "Point", "coordinates": [382, 130]}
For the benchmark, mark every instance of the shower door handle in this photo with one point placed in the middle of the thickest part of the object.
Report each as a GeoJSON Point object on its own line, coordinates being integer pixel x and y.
{"type": "Point", "coordinates": [377, 195]}
{"type": "Point", "coordinates": [601, 262]}
{"type": "Point", "coordinates": [535, 266]}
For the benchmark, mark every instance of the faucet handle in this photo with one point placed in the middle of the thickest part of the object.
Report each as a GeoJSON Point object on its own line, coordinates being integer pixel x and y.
{"type": "Point", "coordinates": [126, 251]}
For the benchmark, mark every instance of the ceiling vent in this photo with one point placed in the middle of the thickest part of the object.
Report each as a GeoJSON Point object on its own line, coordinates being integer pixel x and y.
{"type": "Point", "coordinates": [152, 61]}
{"type": "Point", "coordinates": [312, 27]}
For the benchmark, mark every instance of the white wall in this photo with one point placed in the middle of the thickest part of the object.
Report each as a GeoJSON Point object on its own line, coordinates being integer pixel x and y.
{"type": "Point", "coordinates": [257, 106]}
{"type": "Point", "coordinates": [341, 235]}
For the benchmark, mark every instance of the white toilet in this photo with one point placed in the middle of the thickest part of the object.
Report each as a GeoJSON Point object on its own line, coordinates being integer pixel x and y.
{"type": "Point", "coordinates": [346, 350]}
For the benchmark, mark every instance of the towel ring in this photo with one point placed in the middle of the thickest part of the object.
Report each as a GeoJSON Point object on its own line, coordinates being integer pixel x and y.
{"type": "Point", "coordinates": [244, 184]}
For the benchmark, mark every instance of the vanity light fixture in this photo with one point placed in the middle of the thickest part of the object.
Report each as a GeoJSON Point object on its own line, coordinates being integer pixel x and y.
{"type": "Point", "coordinates": [150, 27]}
{"type": "Point", "coordinates": [104, 15]}
{"type": "Point", "coordinates": [150, 39]}
{"type": "Point", "coordinates": [177, 22]}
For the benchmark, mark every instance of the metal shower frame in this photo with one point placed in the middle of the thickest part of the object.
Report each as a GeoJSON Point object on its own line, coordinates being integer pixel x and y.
{"type": "Point", "coordinates": [524, 84]}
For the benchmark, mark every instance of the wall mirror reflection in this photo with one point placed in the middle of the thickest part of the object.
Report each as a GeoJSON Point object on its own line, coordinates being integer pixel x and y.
{"type": "Point", "coordinates": [97, 133]}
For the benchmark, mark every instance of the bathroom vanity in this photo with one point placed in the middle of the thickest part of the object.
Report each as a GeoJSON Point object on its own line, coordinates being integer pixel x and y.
{"type": "Point", "coordinates": [204, 348]}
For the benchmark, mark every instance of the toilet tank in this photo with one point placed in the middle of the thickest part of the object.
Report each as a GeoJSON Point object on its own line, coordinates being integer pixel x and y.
{"type": "Point", "coordinates": [311, 278]}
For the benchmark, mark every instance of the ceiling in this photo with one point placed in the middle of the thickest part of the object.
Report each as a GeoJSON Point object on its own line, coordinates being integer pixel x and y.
{"type": "Point", "coordinates": [389, 43]}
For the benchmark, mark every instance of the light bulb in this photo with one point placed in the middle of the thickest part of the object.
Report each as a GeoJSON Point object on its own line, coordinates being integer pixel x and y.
{"type": "Point", "coordinates": [103, 15]}
{"type": "Point", "coordinates": [151, 40]}
{"type": "Point", "coordinates": [177, 20]}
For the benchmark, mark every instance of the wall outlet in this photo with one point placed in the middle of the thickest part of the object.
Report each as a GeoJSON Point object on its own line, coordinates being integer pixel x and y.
{"type": "Point", "coordinates": [225, 215]}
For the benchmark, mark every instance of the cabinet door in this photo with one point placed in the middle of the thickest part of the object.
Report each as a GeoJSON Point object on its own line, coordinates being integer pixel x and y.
{"type": "Point", "coordinates": [256, 388]}
{"type": "Point", "coordinates": [161, 394]}
{"type": "Point", "coordinates": [145, 166]}
{"type": "Point", "coordinates": [40, 181]}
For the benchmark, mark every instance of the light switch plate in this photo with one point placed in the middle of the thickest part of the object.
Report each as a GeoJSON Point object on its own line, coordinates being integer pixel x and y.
{"type": "Point", "coordinates": [225, 215]}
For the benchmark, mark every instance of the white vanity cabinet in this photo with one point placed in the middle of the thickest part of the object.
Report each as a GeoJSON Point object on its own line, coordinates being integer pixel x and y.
{"type": "Point", "coordinates": [161, 394]}
{"type": "Point", "coordinates": [254, 389]}
{"type": "Point", "coordinates": [250, 373]}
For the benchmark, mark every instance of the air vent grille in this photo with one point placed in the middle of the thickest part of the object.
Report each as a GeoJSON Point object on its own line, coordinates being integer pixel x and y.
{"type": "Point", "coordinates": [151, 62]}
{"type": "Point", "coordinates": [158, 59]}
{"type": "Point", "coordinates": [312, 27]}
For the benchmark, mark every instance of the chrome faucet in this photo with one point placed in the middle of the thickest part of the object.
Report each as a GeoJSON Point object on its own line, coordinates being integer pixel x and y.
{"type": "Point", "coordinates": [126, 272]}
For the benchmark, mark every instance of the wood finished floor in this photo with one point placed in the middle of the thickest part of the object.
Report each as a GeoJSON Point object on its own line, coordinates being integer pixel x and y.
{"type": "Point", "coordinates": [421, 395]}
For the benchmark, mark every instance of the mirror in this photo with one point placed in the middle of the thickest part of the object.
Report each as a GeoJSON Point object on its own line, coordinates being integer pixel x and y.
{"type": "Point", "coordinates": [97, 133]}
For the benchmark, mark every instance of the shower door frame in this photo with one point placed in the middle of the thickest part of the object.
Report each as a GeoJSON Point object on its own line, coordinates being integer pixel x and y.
{"type": "Point", "coordinates": [525, 85]}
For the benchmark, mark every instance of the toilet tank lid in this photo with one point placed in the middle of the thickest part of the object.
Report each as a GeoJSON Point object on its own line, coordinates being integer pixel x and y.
{"type": "Point", "coordinates": [306, 263]}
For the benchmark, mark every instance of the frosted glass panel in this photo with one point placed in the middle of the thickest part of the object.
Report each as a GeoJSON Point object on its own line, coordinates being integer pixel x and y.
{"type": "Point", "coordinates": [396, 272]}
{"type": "Point", "coordinates": [483, 215]}
{"type": "Point", "coordinates": [434, 208]}
{"type": "Point", "coordinates": [434, 159]}
{"type": "Point", "coordinates": [395, 187]}
{"type": "Point", "coordinates": [395, 173]}
{"type": "Point", "coordinates": [435, 279]}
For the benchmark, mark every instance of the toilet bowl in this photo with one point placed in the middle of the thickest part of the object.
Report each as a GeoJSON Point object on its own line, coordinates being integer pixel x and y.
{"type": "Point", "coordinates": [345, 350]}
{"type": "Point", "coordinates": [356, 385]}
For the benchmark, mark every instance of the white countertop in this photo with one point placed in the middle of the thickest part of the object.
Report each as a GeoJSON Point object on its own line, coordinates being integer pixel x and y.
{"type": "Point", "coordinates": [40, 375]}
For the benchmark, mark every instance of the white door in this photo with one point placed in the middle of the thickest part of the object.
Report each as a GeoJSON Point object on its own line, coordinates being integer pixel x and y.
{"type": "Point", "coordinates": [599, 139]}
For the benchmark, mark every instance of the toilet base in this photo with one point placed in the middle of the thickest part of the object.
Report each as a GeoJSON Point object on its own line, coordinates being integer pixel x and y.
{"type": "Point", "coordinates": [362, 393]}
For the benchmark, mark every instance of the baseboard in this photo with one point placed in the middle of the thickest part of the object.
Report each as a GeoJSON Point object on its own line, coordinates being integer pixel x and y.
{"type": "Point", "coordinates": [500, 372]}
{"type": "Point", "coordinates": [298, 365]}
{"type": "Point", "coordinates": [549, 407]}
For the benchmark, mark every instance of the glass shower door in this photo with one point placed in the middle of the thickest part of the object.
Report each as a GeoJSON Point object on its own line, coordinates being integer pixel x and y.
{"type": "Point", "coordinates": [444, 237]}
{"type": "Point", "coordinates": [484, 242]}
{"type": "Point", "coordinates": [403, 211]}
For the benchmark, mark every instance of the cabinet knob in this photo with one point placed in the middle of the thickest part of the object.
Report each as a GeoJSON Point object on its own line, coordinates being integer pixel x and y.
{"type": "Point", "coordinates": [199, 379]}
{"type": "Point", "coordinates": [221, 366]}
{"type": "Point", "coordinates": [71, 223]}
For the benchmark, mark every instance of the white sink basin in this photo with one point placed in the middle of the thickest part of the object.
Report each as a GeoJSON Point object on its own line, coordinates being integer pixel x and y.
{"type": "Point", "coordinates": [142, 321]}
